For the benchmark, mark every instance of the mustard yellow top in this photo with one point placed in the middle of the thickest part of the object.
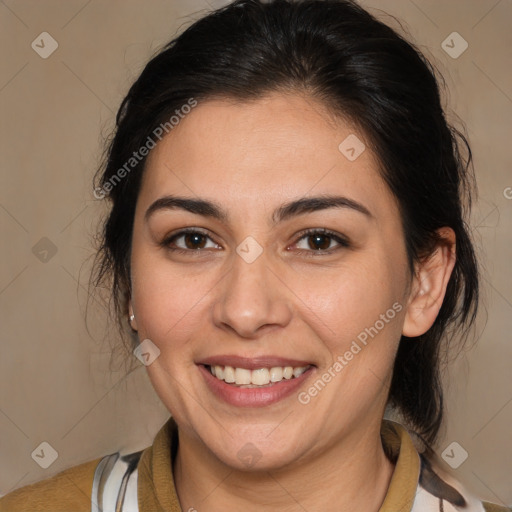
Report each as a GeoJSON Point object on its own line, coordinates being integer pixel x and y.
{"type": "Point", "coordinates": [415, 485]}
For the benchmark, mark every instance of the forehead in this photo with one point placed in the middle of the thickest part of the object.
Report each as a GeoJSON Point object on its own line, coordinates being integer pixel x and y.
{"type": "Point", "coordinates": [274, 148]}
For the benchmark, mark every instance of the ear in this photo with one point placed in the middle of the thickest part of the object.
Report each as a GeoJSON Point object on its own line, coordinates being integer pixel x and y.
{"type": "Point", "coordinates": [131, 317]}
{"type": "Point", "coordinates": [429, 284]}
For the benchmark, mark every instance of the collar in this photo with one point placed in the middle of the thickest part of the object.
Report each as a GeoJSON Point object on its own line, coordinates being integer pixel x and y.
{"type": "Point", "coordinates": [157, 493]}
{"type": "Point", "coordinates": [400, 449]}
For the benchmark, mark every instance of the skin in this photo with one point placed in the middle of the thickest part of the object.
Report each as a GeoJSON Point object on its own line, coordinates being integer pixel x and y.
{"type": "Point", "coordinates": [292, 301]}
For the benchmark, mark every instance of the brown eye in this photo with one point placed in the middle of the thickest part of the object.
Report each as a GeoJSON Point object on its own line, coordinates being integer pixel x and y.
{"type": "Point", "coordinates": [319, 242]}
{"type": "Point", "coordinates": [194, 240]}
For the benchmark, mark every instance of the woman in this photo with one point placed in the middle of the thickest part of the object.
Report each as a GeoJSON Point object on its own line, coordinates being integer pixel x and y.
{"type": "Point", "coordinates": [287, 244]}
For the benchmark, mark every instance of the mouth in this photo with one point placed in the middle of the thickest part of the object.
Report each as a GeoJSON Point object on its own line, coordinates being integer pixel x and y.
{"type": "Point", "coordinates": [254, 382]}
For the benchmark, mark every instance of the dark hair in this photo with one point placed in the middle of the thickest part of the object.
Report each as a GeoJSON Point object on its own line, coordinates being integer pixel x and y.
{"type": "Point", "coordinates": [336, 52]}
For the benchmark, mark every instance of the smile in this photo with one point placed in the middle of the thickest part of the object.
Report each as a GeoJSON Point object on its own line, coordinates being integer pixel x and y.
{"type": "Point", "coordinates": [256, 381]}
{"type": "Point", "coordinates": [260, 377]}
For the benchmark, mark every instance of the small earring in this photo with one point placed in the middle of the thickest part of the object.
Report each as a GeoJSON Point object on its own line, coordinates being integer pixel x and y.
{"type": "Point", "coordinates": [132, 318]}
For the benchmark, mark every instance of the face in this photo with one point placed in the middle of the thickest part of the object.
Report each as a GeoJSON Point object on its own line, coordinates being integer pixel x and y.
{"type": "Point", "coordinates": [259, 246]}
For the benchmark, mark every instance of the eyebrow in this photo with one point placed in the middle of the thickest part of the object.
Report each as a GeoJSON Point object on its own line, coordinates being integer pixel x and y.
{"type": "Point", "coordinates": [313, 204]}
{"type": "Point", "coordinates": [197, 206]}
{"type": "Point", "coordinates": [294, 208]}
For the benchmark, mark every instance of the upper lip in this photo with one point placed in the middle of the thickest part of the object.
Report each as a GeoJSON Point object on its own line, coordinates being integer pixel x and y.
{"type": "Point", "coordinates": [252, 363]}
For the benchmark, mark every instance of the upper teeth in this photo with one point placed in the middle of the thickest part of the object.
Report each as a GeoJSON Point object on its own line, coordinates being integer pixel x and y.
{"type": "Point", "coordinates": [259, 377]}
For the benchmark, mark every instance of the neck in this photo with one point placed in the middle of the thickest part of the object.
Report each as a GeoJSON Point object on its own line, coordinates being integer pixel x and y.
{"type": "Point", "coordinates": [352, 474]}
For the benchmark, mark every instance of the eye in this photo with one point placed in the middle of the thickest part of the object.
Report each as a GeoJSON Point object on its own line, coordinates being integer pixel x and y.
{"type": "Point", "coordinates": [321, 241]}
{"type": "Point", "coordinates": [188, 240]}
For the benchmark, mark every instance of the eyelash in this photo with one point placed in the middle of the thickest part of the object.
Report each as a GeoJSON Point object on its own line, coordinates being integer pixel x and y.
{"type": "Point", "coordinates": [342, 241]}
{"type": "Point", "coordinates": [169, 239]}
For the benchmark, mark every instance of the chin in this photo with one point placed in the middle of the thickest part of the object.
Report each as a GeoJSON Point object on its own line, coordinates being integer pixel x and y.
{"type": "Point", "coordinates": [253, 449]}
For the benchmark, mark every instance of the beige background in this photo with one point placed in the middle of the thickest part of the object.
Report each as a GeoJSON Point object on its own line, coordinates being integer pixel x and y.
{"type": "Point", "coordinates": [56, 384]}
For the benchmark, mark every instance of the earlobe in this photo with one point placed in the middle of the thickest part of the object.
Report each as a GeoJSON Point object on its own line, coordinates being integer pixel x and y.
{"type": "Point", "coordinates": [131, 317]}
{"type": "Point", "coordinates": [429, 285]}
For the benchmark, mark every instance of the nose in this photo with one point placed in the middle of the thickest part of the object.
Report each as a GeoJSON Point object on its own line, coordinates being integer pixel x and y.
{"type": "Point", "coordinates": [251, 300]}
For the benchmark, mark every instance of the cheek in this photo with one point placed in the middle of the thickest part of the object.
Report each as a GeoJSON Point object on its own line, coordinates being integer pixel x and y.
{"type": "Point", "coordinates": [351, 299]}
{"type": "Point", "coordinates": [360, 314]}
{"type": "Point", "coordinates": [168, 302]}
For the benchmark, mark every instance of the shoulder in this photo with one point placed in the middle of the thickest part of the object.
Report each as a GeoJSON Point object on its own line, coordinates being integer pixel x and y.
{"type": "Point", "coordinates": [438, 485]}
{"type": "Point", "coordinates": [492, 507]}
{"type": "Point", "coordinates": [68, 490]}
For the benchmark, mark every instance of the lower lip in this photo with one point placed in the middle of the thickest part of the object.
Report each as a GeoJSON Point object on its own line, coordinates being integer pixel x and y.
{"type": "Point", "coordinates": [253, 397]}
